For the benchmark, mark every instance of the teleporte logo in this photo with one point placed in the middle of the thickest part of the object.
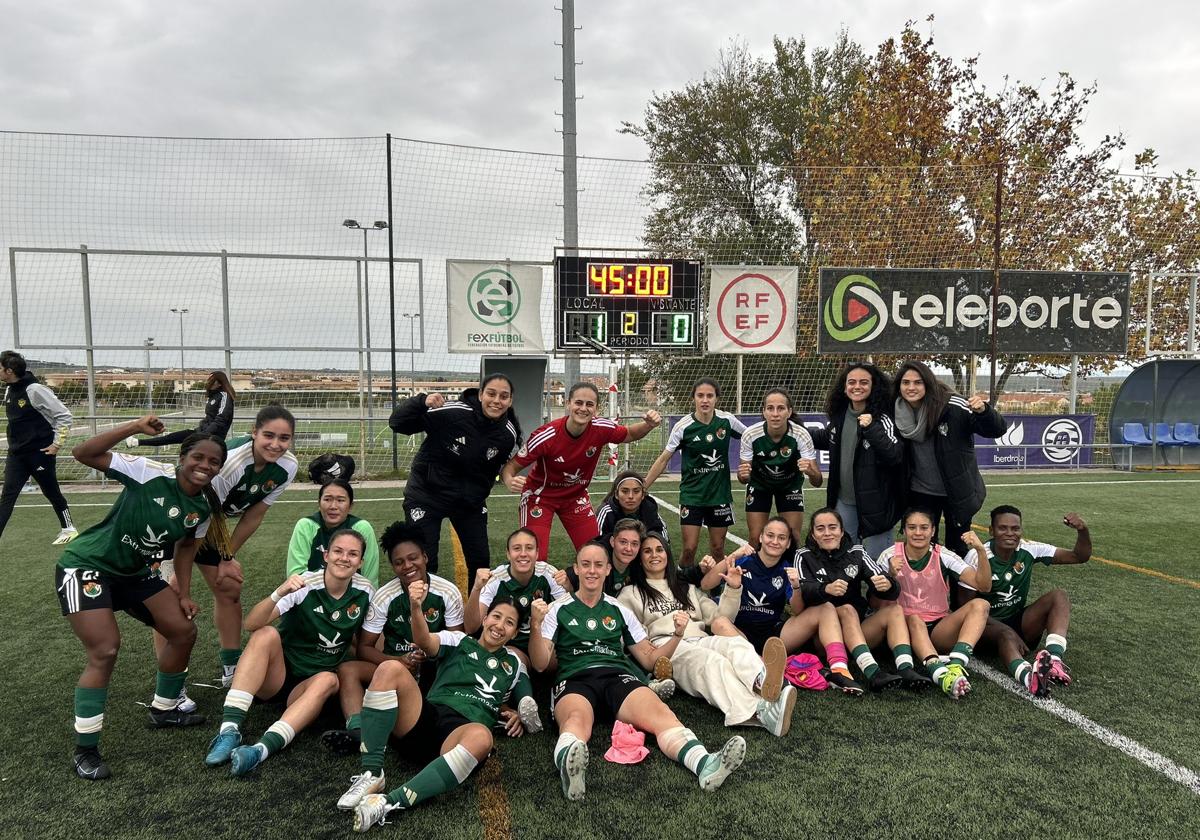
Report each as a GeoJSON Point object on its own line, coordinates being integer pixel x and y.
{"type": "Point", "coordinates": [858, 311]}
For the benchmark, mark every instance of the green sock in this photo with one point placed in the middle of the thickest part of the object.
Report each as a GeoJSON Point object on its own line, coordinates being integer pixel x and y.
{"type": "Point", "coordinates": [230, 656]}
{"type": "Point", "coordinates": [278, 735]}
{"type": "Point", "coordinates": [354, 721]}
{"type": "Point", "coordinates": [861, 654]}
{"type": "Point", "coordinates": [1056, 644]}
{"type": "Point", "coordinates": [961, 653]}
{"type": "Point", "coordinates": [1019, 669]}
{"type": "Point", "coordinates": [89, 715]}
{"type": "Point", "coordinates": [166, 689]}
{"type": "Point", "coordinates": [378, 717]}
{"type": "Point", "coordinates": [522, 688]}
{"type": "Point", "coordinates": [440, 775]}
{"type": "Point", "coordinates": [692, 756]}
{"type": "Point", "coordinates": [934, 667]}
{"type": "Point", "coordinates": [904, 657]}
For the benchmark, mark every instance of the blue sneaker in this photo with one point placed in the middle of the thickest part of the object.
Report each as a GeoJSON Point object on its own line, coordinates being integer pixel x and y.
{"type": "Point", "coordinates": [244, 759]}
{"type": "Point", "coordinates": [220, 747]}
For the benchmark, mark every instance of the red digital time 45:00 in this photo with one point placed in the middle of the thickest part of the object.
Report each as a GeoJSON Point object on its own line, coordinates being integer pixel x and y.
{"type": "Point", "coordinates": [632, 280]}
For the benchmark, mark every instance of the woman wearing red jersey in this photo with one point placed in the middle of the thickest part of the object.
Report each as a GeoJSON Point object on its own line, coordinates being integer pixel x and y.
{"type": "Point", "coordinates": [564, 455]}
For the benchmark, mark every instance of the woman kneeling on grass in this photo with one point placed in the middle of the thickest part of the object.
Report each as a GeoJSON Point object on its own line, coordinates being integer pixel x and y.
{"type": "Point", "coordinates": [587, 635]}
{"type": "Point", "coordinates": [924, 571]}
{"type": "Point", "coordinates": [723, 669]}
{"type": "Point", "coordinates": [450, 729]}
{"type": "Point", "coordinates": [113, 566]}
{"type": "Point", "coordinates": [295, 664]}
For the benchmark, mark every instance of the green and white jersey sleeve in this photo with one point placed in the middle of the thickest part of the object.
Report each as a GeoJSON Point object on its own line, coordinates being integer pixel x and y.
{"type": "Point", "coordinates": [471, 679]}
{"type": "Point", "coordinates": [316, 628]}
{"type": "Point", "coordinates": [239, 486]}
{"type": "Point", "coordinates": [1010, 581]}
{"type": "Point", "coordinates": [152, 513]}
{"type": "Point", "coordinates": [592, 637]}
{"type": "Point", "coordinates": [389, 613]}
{"type": "Point", "coordinates": [704, 457]}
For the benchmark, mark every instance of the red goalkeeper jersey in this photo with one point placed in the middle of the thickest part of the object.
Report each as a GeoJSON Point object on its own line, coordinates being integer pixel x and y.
{"type": "Point", "coordinates": [563, 465]}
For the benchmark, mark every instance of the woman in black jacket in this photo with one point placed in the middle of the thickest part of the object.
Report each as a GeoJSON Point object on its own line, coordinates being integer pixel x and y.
{"type": "Point", "coordinates": [218, 414]}
{"type": "Point", "coordinates": [866, 456]}
{"type": "Point", "coordinates": [939, 427]}
{"type": "Point", "coordinates": [627, 499]}
{"type": "Point", "coordinates": [467, 442]}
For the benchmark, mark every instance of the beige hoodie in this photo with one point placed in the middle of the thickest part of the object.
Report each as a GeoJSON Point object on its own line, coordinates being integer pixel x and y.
{"type": "Point", "coordinates": [701, 609]}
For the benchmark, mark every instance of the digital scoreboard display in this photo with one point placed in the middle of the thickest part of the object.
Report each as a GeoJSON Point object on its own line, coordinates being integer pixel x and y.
{"type": "Point", "coordinates": [626, 304]}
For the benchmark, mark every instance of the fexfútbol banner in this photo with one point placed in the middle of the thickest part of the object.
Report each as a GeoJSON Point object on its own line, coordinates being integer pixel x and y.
{"type": "Point", "coordinates": [874, 310]}
{"type": "Point", "coordinates": [493, 307]}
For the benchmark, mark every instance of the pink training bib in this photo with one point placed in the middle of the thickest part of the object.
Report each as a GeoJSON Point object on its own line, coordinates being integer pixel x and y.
{"type": "Point", "coordinates": [924, 593]}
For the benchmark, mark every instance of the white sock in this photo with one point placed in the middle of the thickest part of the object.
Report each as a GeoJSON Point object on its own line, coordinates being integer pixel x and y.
{"type": "Point", "coordinates": [461, 762]}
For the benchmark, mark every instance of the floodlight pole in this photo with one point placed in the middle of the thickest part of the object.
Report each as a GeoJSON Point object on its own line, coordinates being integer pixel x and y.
{"type": "Point", "coordinates": [996, 274]}
{"type": "Point", "coordinates": [569, 162]}
{"type": "Point", "coordinates": [181, 311]}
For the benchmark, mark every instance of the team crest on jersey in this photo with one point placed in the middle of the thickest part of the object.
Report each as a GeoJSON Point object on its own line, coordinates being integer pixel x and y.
{"type": "Point", "coordinates": [609, 623]}
{"type": "Point", "coordinates": [352, 611]}
{"type": "Point", "coordinates": [508, 669]}
{"type": "Point", "coordinates": [270, 485]}
{"type": "Point", "coordinates": [721, 433]}
{"type": "Point", "coordinates": [1007, 576]}
{"type": "Point", "coordinates": [591, 624]}
{"type": "Point", "coordinates": [335, 615]}
{"type": "Point", "coordinates": [416, 514]}
{"type": "Point", "coordinates": [492, 452]}
{"type": "Point", "coordinates": [172, 511]}
{"type": "Point", "coordinates": [431, 614]}
{"type": "Point", "coordinates": [683, 512]}
{"type": "Point", "coordinates": [774, 453]}
{"type": "Point", "coordinates": [777, 582]}
{"type": "Point", "coordinates": [253, 488]}
{"type": "Point", "coordinates": [537, 593]}
{"type": "Point", "coordinates": [785, 451]}
{"type": "Point", "coordinates": [591, 450]}
{"type": "Point", "coordinates": [522, 451]}
{"type": "Point", "coordinates": [1019, 566]}
{"type": "Point", "coordinates": [708, 438]}
{"type": "Point", "coordinates": [92, 589]}
{"type": "Point", "coordinates": [852, 571]}
{"type": "Point", "coordinates": [944, 429]}
{"type": "Point", "coordinates": [191, 520]}
{"type": "Point", "coordinates": [524, 601]}
{"type": "Point", "coordinates": [535, 512]}
{"type": "Point", "coordinates": [493, 663]}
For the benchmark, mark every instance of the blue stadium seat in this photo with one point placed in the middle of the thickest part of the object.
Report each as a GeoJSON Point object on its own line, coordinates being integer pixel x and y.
{"type": "Point", "coordinates": [1135, 434]}
{"type": "Point", "coordinates": [1163, 436]}
{"type": "Point", "coordinates": [1185, 433]}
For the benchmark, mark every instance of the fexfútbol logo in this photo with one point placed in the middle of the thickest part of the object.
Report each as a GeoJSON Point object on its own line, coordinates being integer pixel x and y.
{"type": "Point", "coordinates": [1061, 440]}
{"type": "Point", "coordinates": [855, 311]}
{"type": "Point", "coordinates": [494, 297]}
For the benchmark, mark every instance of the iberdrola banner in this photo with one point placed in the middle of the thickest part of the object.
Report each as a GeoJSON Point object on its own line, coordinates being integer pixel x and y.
{"type": "Point", "coordinates": [494, 307]}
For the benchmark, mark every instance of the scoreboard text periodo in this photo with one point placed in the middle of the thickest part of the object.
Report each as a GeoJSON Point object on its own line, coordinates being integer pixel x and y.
{"type": "Point", "coordinates": [626, 304]}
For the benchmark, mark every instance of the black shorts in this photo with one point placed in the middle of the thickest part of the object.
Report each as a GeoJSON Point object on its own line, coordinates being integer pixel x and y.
{"type": "Point", "coordinates": [206, 555]}
{"type": "Point", "coordinates": [714, 516]}
{"type": "Point", "coordinates": [604, 688]}
{"type": "Point", "coordinates": [290, 681]}
{"type": "Point", "coordinates": [757, 634]}
{"type": "Point", "coordinates": [85, 589]}
{"type": "Point", "coordinates": [423, 743]}
{"type": "Point", "coordinates": [929, 625]}
{"type": "Point", "coordinates": [1013, 622]}
{"type": "Point", "coordinates": [760, 499]}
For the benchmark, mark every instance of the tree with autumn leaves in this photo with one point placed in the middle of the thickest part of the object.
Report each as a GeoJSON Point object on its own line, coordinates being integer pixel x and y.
{"type": "Point", "coordinates": [830, 157]}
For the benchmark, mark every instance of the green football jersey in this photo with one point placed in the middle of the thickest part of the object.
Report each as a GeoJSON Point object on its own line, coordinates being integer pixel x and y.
{"type": "Point", "coordinates": [1010, 581]}
{"type": "Point", "coordinates": [239, 487]}
{"type": "Point", "coordinates": [471, 680]}
{"type": "Point", "coordinates": [316, 628]}
{"type": "Point", "coordinates": [592, 637]}
{"type": "Point", "coordinates": [773, 464]}
{"type": "Point", "coordinates": [389, 613]}
{"type": "Point", "coordinates": [541, 585]}
{"type": "Point", "coordinates": [151, 514]}
{"type": "Point", "coordinates": [704, 453]}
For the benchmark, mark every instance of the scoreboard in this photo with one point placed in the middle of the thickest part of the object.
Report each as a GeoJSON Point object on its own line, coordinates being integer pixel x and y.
{"type": "Point", "coordinates": [626, 304]}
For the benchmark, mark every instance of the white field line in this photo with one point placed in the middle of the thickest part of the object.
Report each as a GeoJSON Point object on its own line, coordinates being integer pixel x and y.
{"type": "Point", "coordinates": [1144, 755]}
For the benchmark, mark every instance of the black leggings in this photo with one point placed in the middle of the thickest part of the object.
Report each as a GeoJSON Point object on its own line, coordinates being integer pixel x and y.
{"type": "Point", "coordinates": [954, 529]}
{"type": "Point", "coordinates": [167, 439]}
{"type": "Point", "coordinates": [18, 469]}
{"type": "Point", "coordinates": [470, 524]}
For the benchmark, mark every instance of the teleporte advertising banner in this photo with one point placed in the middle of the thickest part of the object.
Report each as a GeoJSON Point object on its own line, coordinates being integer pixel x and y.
{"type": "Point", "coordinates": [493, 307]}
{"type": "Point", "coordinates": [886, 310]}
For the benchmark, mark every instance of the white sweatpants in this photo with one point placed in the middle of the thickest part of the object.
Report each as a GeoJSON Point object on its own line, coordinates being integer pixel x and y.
{"type": "Point", "coordinates": [721, 670]}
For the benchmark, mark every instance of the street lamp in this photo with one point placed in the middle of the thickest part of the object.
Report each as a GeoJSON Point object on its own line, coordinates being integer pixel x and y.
{"type": "Point", "coordinates": [353, 224]}
{"type": "Point", "coordinates": [149, 345]}
{"type": "Point", "coordinates": [181, 311]}
{"type": "Point", "coordinates": [412, 317]}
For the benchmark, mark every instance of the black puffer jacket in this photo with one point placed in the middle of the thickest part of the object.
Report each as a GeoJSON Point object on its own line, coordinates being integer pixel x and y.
{"type": "Point", "coordinates": [463, 451]}
{"type": "Point", "coordinates": [852, 564]}
{"type": "Point", "coordinates": [609, 513]}
{"type": "Point", "coordinates": [954, 445]}
{"type": "Point", "coordinates": [218, 414]}
{"type": "Point", "coordinates": [879, 472]}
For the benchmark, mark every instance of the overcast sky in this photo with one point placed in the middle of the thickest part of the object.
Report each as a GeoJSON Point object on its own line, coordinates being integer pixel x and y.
{"type": "Point", "coordinates": [483, 73]}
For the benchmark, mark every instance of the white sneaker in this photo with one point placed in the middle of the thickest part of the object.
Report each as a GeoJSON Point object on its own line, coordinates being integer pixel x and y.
{"type": "Point", "coordinates": [665, 689]}
{"type": "Point", "coordinates": [184, 703]}
{"type": "Point", "coordinates": [65, 536]}
{"type": "Point", "coordinates": [717, 767]}
{"type": "Point", "coordinates": [29, 487]}
{"type": "Point", "coordinates": [131, 442]}
{"type": "Point", "coordinates": [372, 810]}
{"type": "Point", "coordinates": [776, 717]}
{"type": "Point", "coordinates": [361, 785]}
{"type": "Point", "coordinates": [527, 710]}
{"type": "Point", "coordinates": [227, 675]}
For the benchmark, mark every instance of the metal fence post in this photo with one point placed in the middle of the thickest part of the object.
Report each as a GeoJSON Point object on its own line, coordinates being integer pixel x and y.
{"type": "Point", "coordinates": [89, 352]}
{"type": "Point", "coordinates": [225, 312]}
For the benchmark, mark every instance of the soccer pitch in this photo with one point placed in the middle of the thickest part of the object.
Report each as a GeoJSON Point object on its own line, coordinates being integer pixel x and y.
{"type": "Point", "coordinates": [1115, 754]}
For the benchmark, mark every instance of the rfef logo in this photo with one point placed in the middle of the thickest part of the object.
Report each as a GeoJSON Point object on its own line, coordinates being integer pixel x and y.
{"type": "Point", "coordinates": [855, 311]}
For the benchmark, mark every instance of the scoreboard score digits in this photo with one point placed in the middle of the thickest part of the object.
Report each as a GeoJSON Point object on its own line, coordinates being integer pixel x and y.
{"type": "Point", "coordinates": [626, 304]}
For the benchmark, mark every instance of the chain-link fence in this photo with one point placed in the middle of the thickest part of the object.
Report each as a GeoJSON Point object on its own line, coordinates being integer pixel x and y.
{"type": "Point", "coordinates": [137, 264]}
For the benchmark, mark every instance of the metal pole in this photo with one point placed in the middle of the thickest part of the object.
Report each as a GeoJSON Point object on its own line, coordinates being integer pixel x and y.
{"type": "Point", "coordinates": [367, 310]}
{"type": "Point", "coordinates": [391, 288]}
{"type": "Point", "coordinates": [12, 284]}
{"type": "Point", "coordinates": [739, 383]}
{"type": "Point", "coordinates": [1153, 420]}
{"type": "Point", "coordinates": [90, 353]}
{"type": "Point", "coordinates": [362, 427]}
{"type": "Point", "coordinates": [570, 171]}
{"type": "Point", "coordinates": [972, 374]}
{"type": "Point", "coordinates": [182, 378]}
{"type": "Point", "coordinates": [996, 273]}
{"type": "Point", "coordinates": [225, 311]}
{"type": "Point", "coordinates": [149, 342]}
{"type": "Point", "coordinates": [1149, 303]}
{"type": "Point", "coordinates": [1191, 341]}
{"type": "Point", "coordinates": [412, 351]}
{"type": "Point", "coordinates": [612, 403]}
{"type": "Point", "coordinates": [1074, 383]}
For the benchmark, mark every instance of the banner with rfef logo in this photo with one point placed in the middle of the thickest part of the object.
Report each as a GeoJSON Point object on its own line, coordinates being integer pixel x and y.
{"type": "Point", "coordinates": [884, 310]}
{"type": "Point", "coordinates": [752, 310]}
{"type": "Point", "coordinates": [493, 307]}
